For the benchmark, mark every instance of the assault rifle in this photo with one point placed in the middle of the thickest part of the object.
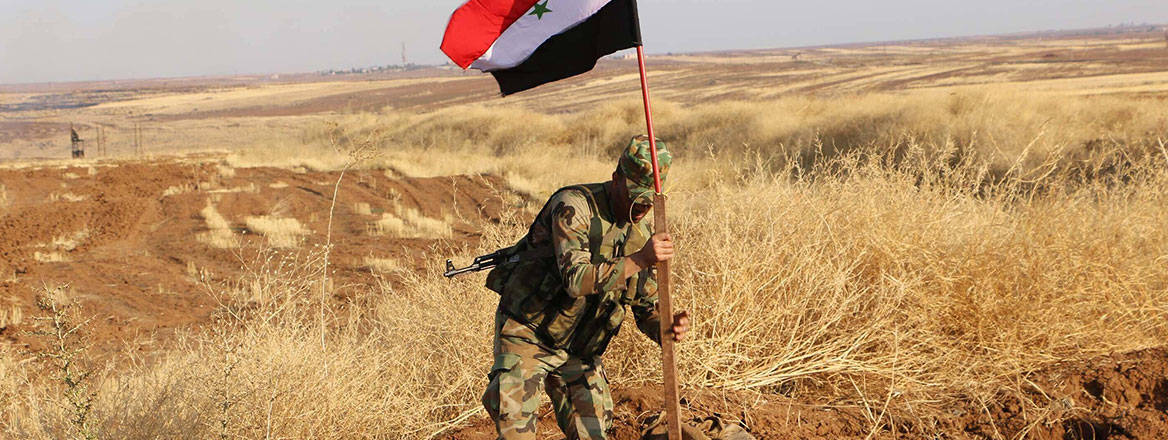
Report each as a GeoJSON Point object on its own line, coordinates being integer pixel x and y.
{"type": "Point", "coordinates": [482, 262]}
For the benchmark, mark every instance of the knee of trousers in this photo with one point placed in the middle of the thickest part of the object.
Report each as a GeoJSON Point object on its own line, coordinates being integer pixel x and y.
{"type": "Point", "coordinates": [583, 402]}
{"type": "Point", "coordinates": [512, 397]}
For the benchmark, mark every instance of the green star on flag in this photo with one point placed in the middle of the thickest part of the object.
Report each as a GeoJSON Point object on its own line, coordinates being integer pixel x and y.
{"type": "Point", "coordinates": [540, 9]}
{"type": "Point", "coordinates": [505, 38]}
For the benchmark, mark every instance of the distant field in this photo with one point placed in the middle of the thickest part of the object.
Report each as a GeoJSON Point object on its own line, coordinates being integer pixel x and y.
{"type": "Point", "coordinates": [1133, 62]}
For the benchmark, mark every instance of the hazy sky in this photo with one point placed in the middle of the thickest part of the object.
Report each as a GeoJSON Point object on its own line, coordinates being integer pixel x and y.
{"type": "Point", "coordinates": [64, 40]}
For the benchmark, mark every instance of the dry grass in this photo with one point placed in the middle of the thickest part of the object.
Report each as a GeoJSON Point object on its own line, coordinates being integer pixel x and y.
{"type": "Point", "coordinates": [258, 379]}
{"type": "Point", "coordinates": [915, 278]}
{"type": "Point", "coordinates": [214, 220]}
{"type": "Point", "coordinates": [50, 257]}
{"type": "Point", "coordinates": [362, 208]}
{"type": "Point", "coordinates": [68, 197]}
{"type": "Point", "coordinates": [251, 187]}
{"type": "Point", "coordinates": [1012, 131]}
{"type": "Point", "coordinates": [932, 249]}
{"type": "Point", "coordinates": [382, 265]}
{"type": "Point", "coordinates": [225, 171]}
{"type": "Point", "coordinates": [218, 234]}
{"type": "Point", "coordinates": [12, 317]}
{"type": "Point", "coordinates": [280, 232]}
{"type": "Point", "coordinates": [409, 223]}
{"type": "Point", "coordinates": [4, 197]}
{"type": "Point", "coordinates": [71, 241]}
{"type": "Point", "coordinates": [179, 189]}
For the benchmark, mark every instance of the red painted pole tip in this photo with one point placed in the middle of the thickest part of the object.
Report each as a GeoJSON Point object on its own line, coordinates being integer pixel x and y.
{"type": "Point", "coordinates": [649, 118]}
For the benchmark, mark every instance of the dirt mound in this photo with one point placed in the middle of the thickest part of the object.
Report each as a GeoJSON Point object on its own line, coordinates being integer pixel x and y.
{"type": "Point", "coordinates": [1119, 397]}
{"type": "Point", "coordinates": [1115, 397]}
{"type": "Point", "coordinates": [132, 239]}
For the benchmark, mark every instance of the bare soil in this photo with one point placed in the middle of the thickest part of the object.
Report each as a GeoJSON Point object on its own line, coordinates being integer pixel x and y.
{"type": "Point", "coordinates": [133, 257]}
{"type": "Point", "coordinates": [1124, 396]}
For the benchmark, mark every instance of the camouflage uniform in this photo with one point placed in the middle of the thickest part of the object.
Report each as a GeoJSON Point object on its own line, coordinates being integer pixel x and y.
{"type": "Point", "coordinates": [563, 299]}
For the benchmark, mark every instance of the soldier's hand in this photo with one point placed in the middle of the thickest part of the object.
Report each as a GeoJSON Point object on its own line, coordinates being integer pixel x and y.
{"type": "Point", "coordinates": [659, 248]}
{"type": "Point", "coordinates": [680, 325]}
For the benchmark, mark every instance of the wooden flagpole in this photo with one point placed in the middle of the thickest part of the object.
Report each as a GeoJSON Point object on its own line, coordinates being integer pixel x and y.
{"type": "Point", "coordinates": [664, 302]}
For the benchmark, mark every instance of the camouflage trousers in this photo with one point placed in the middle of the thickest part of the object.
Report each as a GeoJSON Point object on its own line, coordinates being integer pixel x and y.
{"type": "Point", "coordinates": [578, 389]}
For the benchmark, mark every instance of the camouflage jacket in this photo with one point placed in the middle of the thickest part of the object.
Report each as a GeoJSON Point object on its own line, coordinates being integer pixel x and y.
{"type": "Point", "coordinates": [567, 283]}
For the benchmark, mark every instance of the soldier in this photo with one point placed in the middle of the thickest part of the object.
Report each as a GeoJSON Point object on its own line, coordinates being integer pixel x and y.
{"type": "Point", "coordinates": [586, 256]}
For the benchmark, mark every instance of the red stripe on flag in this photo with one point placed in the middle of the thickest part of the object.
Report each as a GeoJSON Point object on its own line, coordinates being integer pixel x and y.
{"type": "Point", "coordinates": [475, 26]}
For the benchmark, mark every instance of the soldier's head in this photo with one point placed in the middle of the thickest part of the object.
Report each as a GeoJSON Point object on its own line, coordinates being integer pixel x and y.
{"type": "Point", "coordinates": [633, 188]}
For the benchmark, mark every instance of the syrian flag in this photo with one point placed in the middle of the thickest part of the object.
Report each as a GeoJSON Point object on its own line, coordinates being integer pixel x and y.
{"type": "Point", "coordinates": [526, 43]}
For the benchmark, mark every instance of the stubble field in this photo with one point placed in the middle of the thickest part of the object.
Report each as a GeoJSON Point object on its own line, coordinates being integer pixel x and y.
{"type": "Point", "coordinates": [960, 239]}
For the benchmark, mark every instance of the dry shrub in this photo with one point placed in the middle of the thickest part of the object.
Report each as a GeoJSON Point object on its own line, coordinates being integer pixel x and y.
{"type": "Point", "coordinates": [3, 196]}
{"type": "Point", "coordinates": [405, 365]}
{"type": "Point", "coordinates": [61, 327]}
{"type": "Point", "coordinates": [913, 281]}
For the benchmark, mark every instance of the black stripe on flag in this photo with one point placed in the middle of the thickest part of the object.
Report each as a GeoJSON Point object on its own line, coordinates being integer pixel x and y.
{"type": "Point", "coordinates": [575, 51]}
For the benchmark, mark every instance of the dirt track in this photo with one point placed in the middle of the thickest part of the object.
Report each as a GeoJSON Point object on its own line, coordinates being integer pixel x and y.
{"type": "Point", "coordinates": [125, 237]}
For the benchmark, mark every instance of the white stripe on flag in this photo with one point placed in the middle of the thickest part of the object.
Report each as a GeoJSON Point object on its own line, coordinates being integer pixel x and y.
{"type": "Point", "coordinates": [523, 37]}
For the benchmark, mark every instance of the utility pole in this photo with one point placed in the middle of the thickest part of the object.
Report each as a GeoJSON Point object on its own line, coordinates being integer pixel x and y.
{"type": "Point", "coordinates": [405, 61]}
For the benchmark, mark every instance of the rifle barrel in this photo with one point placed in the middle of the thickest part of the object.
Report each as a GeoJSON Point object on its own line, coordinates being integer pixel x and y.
{"type": "Point", "coordinates": [471, 268]}
{"type": "Point", "coordinates": [483, 262]}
